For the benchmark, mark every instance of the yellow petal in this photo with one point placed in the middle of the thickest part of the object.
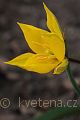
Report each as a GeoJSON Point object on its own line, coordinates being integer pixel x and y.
{"type": "Point", "coordinates": [41, 63]}
{"type": "Point", "coordinates": [52, 22]}
{"type": "Point", "coordinates": [33, 37]}
{"type": "Point", "coordinates": [20, 61]}
{"type": "Point", "coordinates": [35, 62]}
{"type": "Point", "coordinates": [41, 41]}
{"type": "Point", "coordinates": [55, 45]}
{"type": "Point", "coordinates": [61, 67]}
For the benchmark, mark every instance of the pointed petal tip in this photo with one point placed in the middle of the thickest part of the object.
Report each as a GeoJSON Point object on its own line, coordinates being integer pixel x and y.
{"type": "Point", "coordinates": [6, 62]}
{"type": "Point", "coordinates": [19, 23]}
{"type": "Point", "coordinates": [10, 63]}
{"type": "Point", "coordinates": [43, 3]}
{"type": "Point", "coordinates": [22, 25]}
{"type": "Point", "coordinates": [45, 7]}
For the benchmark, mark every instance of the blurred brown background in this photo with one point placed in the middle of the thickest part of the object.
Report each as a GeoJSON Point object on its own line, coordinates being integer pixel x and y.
{"type": "Point", "coordinates": [15, 82]}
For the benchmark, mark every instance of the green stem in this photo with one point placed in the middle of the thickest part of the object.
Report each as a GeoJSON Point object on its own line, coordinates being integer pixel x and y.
{"type": "Point", "coordinates": [77, 89]}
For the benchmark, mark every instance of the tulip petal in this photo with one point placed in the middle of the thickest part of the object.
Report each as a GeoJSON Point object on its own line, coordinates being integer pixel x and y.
{"type": "Point", "coordinates": [35, 62]}
{"type": "Point", "coordinates": [41, 63]}
{"type": "Point", "coordinates": [55, 45]}
{"type": "Point", "coordinates": [20, 61]}
{"type": "Point", "coordinates": [33, 37]}
{"type": "Point", "coordinates": [61, 67]}
{"type": "Point", "coordinates": [41, 41]}
{"type": "Point", "coordinates": [52, 22]}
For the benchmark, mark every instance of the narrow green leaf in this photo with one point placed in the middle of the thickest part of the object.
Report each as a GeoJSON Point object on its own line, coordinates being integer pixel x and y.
{"type": "Point", "coordinates": [57, 113]}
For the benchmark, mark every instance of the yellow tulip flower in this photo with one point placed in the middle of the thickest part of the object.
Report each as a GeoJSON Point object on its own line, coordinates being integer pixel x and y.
{"type": "Point", "coordinates": [48, 48]}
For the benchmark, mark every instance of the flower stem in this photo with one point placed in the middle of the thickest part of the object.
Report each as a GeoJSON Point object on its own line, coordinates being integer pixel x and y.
{"type": "Point", "coordinates": [77, 89]}
{"type": "Point", "coordinates": [74, 60]}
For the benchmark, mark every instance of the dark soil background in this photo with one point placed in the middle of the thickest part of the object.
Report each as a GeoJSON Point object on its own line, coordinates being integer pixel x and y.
{"type": "Point", "coordinates": [15, 82]}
